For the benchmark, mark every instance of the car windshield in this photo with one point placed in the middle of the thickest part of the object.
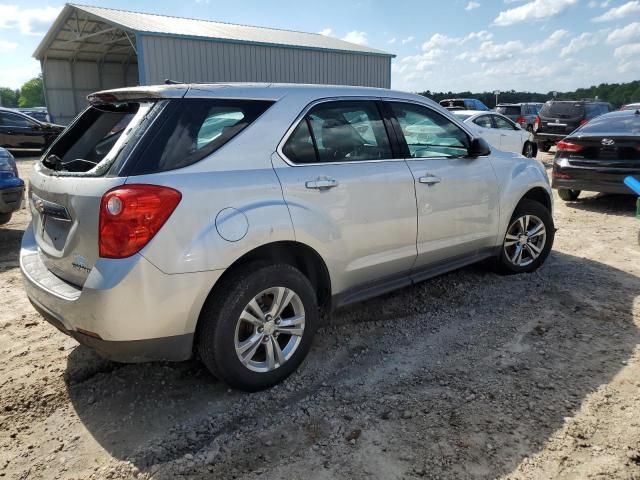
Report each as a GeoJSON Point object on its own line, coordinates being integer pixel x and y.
{"type": "Point", "coordinates": [562, 109]}
{"type": "Point", "coordinates": [619, 124]}
{"type": "Point", "coordinates": [508, 109]}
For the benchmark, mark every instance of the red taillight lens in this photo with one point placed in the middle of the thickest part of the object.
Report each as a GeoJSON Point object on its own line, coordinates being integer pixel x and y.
{"type": "Point", "coordinates": [536, 124]}
{"type": "Point", "coordinates": [563, 146]}
{"type": "Point", "coordinates": [131, 215]}
{"type": "Point", "coordinates": [520, 119]}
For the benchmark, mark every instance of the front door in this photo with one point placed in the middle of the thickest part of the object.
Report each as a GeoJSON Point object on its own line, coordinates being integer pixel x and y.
{"type": "Point", "coordinates": [510, 135]}
{"type": "Point", "coordinates": [457, 196]}
{"type": "Point", "coordinates": [348, 197]}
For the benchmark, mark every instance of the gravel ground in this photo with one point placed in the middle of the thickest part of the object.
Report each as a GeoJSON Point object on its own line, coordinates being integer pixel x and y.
{"type": "Point", "coordinates": [470, 375]}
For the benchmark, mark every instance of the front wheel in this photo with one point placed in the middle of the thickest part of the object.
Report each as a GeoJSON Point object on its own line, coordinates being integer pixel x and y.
{"type": "Point", "coordinates": [568, 195]}
{"type": "Point", "coordinates": [529, 150]}
{"type": "Point", "coordinates": [528, 239]}
{"type": "Point", "coordinates": [257, 328]}
{"type": "Point", "coordinates": [544, 146]}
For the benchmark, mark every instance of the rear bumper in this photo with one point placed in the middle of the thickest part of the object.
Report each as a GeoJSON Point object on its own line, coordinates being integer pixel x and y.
{"type": "Point", "coordinates": [605, 180]}
{"type": "Point", "coordinates": [547, 137]}
{"type": "Point", "coordinates": [11, 198]}
{"type": "Point", "coordinates": [127, 310]}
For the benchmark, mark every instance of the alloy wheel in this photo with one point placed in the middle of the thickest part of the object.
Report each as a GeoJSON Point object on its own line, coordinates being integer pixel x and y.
{"type": "Point", "coordinates": [525, 240]}
{"type": "Point", "coordinates": [269, 329]}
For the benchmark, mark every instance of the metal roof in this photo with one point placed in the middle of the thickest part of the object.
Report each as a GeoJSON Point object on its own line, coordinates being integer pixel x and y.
{"type": "Point", "coordinates": [148, 23]}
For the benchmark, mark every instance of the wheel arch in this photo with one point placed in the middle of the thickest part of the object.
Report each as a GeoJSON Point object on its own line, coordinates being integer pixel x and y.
{"type": "Point", "coordinates": [539, 195]}
{"type": "Point", "coordinates": [293, 253]}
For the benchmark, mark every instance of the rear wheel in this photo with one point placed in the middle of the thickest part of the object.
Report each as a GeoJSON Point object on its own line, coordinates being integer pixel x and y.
{"type": "Point", "coordinates": [256, 329]}
{"type": "Point", "coordinates": [528, 239]}
{"type": "Point", "coordinates": [529, 150]}
{"type": "Point", "coordinates": [544, 146]}
{"type": "Point", "coordinates": [568, 195]}
{"type": "Point", "coordinates": [5, 218]}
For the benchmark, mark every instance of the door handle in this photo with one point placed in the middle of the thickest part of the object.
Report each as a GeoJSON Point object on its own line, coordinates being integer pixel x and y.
{"type": "Point", "coordinates": [429, 179]}
{"type": "Point", "coordinates": [321, 183]}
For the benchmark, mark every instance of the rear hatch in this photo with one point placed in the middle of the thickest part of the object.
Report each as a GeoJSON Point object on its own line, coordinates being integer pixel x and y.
{"type": "Point", "coordinates": [620, 154]}
{"type": "Point", "coordinates": [67, 186]}
{"type": "Point", "coordinates": [509, 111]}
{"type": "Point", "coordinates": [561, 118]}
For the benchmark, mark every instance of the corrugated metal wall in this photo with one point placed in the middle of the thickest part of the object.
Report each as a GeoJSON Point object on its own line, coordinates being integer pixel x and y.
{"type": "Point", "coordinates": [67, 84]}
{"type": "Point", "coordinates": [192, 60]}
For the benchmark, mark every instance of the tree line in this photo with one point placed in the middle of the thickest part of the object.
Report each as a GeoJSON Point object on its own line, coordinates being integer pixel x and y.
{"type": "Point", "coordinates": [31, 94]}
{"type": "Point", "coordinates": [617, 94]}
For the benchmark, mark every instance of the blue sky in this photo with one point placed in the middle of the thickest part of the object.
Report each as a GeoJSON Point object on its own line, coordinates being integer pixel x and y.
{"type": "Point", "coordinates": [536, 45]}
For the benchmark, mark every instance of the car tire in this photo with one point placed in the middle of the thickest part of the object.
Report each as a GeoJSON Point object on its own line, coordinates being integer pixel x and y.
{"type": "Point", "coordinates": [252, 353]}
{"type": "Point", "coordinates": [5, 218]}
{"type": "Point", "coordinates": [568, 195]}
{"type": "Point", "coordinates": [534, 241]}
{"type": "Point", "coordinates": [529, 150]}
{"type": "Point", "coordinates": [544, 146]}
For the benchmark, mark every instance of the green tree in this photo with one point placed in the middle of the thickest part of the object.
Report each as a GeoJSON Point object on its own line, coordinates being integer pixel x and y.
{"type": "Point", "coordinates": [9, 97]}
{"type": "Point", "coordinates": [32, 93]}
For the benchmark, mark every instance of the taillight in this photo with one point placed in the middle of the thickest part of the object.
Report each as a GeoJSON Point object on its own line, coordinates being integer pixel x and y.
{"type": "Point", "coordinates": [563, 146]}
{"type": "Point", "coordinates": [536, 124]}
{"type": "Point", "coordinates": [130, 216]}
{"type": "Point", "coordinates": [584, 121]}
{"type": "Point", "coordinates": [520, 119]}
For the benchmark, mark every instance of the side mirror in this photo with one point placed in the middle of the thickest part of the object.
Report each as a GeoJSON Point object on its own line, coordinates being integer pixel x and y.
{"type": "Point", "coordinates": [479, 148]}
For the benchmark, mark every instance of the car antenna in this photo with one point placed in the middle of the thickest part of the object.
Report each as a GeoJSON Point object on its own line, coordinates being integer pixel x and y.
{"type": "Point", "coordinates": [168, 81]}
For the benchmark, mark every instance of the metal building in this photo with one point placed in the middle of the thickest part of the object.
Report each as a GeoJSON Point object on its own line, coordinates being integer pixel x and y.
{"type": "Point", "coordinates": [93, 48]}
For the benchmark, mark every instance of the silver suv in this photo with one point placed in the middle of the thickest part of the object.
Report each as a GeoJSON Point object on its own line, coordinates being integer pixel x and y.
{"type": "Point", "coordinates": [228, 220]}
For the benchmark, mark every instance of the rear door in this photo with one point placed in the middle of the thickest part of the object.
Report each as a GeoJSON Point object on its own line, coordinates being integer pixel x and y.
{"type": "Point", "coordinates": [487, 129]}
{"type": "Point", "coordinates": [510, 135]}
{"type": "Point", "coordinates": [349, 198]}
{"type": "Point", "coordinates": [457, 196]}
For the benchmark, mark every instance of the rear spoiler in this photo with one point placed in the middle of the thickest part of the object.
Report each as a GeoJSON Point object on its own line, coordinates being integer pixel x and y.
{"type": "Point", "coordinates": [138, 93]}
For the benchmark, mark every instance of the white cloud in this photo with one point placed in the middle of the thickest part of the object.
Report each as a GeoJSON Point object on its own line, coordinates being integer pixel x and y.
{"type": "Point", "coordinates": [30, 21]}
{"type": "Point", "coordinates": [6, 45]}
{"type": "Point", "coordinates": [533, 10]}
{"type": "Point", "coordinates": [438, 40]}
{"type": "Point", "coordinates": [325, 31]}
{"type": "Point", "coordinates": [356, 37]}
{"type": "Point", "coordinates": [622, 11]}
{"type": "Point", "coordinates": [15, 76]}
{"type": "Point", "coordinates": [624, 34]}
{"type": "Point", "coordinates": [629, 50]}
{"type": "Point", "coordinates": [391, 41]}
{"type": "Point", "coordinates": [579, 43]}
{"type": "Point", "coordinates": [407, 40]}
{"type": "Point", "coordinates": [472, 5]}
{"type": "Point", "coordinates": [493, 52]}
{"type": "Point", "coordinates": [552, 40]}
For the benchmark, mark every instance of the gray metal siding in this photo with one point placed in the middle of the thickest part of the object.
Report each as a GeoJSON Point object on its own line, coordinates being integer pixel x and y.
{"type": "Point", "coordinates": [67, 84]}
{"type": "Point", "coordinates": [192, 60]}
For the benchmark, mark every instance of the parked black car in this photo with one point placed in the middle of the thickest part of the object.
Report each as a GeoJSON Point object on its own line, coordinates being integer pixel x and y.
{"type": "Point", "coordinates": [557, 119]}
{"type": "Point", "coordinates": [523, 113]}
{"type": "Point", "coordinates": [39, 113]}
{"type": "Point", "coordinates": [598, 156]}
{"type": "Point", "coordinates": [463, 104]}
{"type": "Point", "coordinates": [22, 133]}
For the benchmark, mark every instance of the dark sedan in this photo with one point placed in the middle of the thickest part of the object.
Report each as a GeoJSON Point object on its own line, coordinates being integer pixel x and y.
{"type": "Point", "coordinates": [22, 133]}
{"type": "Point", "coordinates": [598, 156]}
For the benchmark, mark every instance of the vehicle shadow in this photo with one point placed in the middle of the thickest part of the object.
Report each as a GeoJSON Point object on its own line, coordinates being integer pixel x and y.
{"type": "Point", "coordinates": [10, 240]}
{"type": "Point", "coordinates": [465, 375]}
{"type": "Point", "coordinates": [618, 205]}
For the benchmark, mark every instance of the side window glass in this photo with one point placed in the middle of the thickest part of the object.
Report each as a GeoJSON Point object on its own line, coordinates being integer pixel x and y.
{"type": "Point", "coordinates": [502, 124]}
{"type": "Point", "coordinates": [349, 131]}
{"type": "Point", "coordinates": [299, 147]}
{"type": "Point", "coordinates": [12, 120]}
{"type": "Point", "coordinates": [429, 134]}
{"type": "Point", "coordinates": [484, 121]}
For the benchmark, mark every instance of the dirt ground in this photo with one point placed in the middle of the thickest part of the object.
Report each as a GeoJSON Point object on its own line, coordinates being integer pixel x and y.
{"type": "Point", "coordinates": [470, 375]}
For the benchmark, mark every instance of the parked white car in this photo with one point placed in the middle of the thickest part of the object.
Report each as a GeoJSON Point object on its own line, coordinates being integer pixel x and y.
{"type": "Point", "coordinates": [500, 131]}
